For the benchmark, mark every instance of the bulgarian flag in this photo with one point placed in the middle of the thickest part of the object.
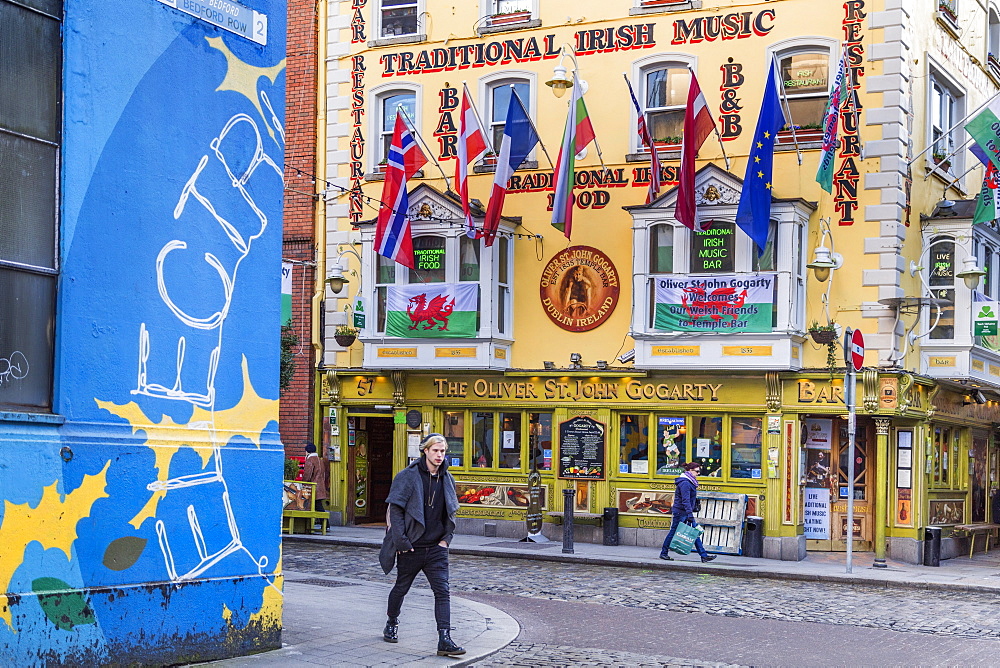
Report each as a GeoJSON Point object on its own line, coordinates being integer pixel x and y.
{"type": "Point", "coordinates": [985, 130]}
{"type": "Point", "coordinates": [578, 133]}
{"type": "Point", "coordinates": [432, 310]}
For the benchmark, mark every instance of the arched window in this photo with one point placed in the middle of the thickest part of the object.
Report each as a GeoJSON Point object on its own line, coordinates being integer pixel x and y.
{"type": "Point", "coordinates": [806, 78]}
{"type": "Point", "coordinates": [498, 100]}
{"type": "Point", "coordinates": [389, 105]}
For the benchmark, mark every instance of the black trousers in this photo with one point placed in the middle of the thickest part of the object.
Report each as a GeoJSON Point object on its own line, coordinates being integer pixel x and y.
{"type": "Point", "coordinates": [433, 561]}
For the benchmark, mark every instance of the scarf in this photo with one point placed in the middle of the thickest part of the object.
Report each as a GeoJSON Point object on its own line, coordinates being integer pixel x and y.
{"type": "Point", "coordinates": [690, 476]}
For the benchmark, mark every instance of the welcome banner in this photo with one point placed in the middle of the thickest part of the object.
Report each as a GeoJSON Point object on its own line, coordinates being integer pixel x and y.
{"type": "Point", "coordinates": [432, 310]}
{"type": "Point", "coordinates": [724, 303]}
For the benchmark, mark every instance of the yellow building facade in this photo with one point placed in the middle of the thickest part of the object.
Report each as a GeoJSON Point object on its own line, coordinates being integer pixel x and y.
{"type": "Point", "coordinates": [606, 360]}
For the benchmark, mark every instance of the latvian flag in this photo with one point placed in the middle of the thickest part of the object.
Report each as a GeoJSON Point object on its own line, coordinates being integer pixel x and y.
{"type": "Point", "coordinates": [698, 124]}
{"type": "Point", "coordinates": [432, 310]}
{"type": "Point", "coordinates": [519, 138]}
{"type": "Point", "coordinates": [393, 238]}
{"type": "Point", "coordinates": [578, 133]}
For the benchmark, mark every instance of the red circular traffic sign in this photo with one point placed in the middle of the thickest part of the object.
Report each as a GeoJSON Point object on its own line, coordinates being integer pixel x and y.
{"type": "Point", "coordinates": [857, 349]}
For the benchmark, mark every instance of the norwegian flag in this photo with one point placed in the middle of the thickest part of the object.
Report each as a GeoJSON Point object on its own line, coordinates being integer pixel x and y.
{"type": "Point", "coordinates": [654, 159]}
{"type": "Point", "coordinates": [393, 238]}
{"type": "Point", "coordinates": [471, 147]}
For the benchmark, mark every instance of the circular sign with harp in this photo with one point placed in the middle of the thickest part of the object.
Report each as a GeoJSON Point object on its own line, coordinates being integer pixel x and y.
{"type": "Point", "coordinates": [579, 288]}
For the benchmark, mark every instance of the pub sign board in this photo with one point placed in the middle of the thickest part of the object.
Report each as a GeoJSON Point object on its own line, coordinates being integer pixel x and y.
{"type": "Point", "coordinates": [581, 448]}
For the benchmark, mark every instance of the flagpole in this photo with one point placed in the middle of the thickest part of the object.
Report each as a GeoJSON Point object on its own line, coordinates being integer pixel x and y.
{"type": "Point", "coordinates": [430, 154]}
{"type": "Point", "coordinates": [528, 116]}
{"type": "Point", "coordinates": [784, 99]}
{"type": "Point", "coordinates": [961, 122]}
{"type": "Point", "coordinates": [475, 112]}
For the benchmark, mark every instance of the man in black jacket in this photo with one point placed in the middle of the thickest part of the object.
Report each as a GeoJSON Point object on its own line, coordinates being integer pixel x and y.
{"type": "Point", "coordinates": [422, 506]}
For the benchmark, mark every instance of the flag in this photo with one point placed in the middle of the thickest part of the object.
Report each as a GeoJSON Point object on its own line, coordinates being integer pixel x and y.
{"type": "Point", "coordinates": [471, 147]}
{"type": "Point", "coordinates": [577, 134]}
{"type": "Point", "coordinates": [976, 150]}
{"type": "Point", "coordinates": [654, 159]}
{"type": "Point", "coordinates": [753, 215]}
{"type": "Point", "coordinates": [698, 124]}
{"type": "Point", "coordinates": [519, 137]}
{"type": "Point", "coordinates": [432, 310]}
{"type": "Point", "coordinates": [985, 130]}
{"type": "Point", "coordinates": [831, 120]}
{"type": "Point", "coordinates": [393, 238]}
{"type": "Point", "coordinates": [987, 208]}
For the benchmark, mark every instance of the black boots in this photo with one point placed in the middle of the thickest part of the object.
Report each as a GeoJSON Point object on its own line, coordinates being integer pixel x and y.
{"type": "Point", "coordinates": [446, 647]}
{"type": "Point", "coordinates": [391, 631]}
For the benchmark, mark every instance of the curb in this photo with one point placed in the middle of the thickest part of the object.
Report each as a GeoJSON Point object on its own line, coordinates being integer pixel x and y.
{"type": "Point", "coordinates": [723, 570]}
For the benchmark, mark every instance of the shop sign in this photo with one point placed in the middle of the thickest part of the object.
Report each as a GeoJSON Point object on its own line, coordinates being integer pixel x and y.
{"type": "Point", "coordinates": [985, 318]}
{"type": "Point", "coordinates": [825, 393]}
{"type": "Point", "coordinates": [888, 393]}
{"type": "Point", "coordinates": [724, 303]}
{"type": "Point", "coordinates": [581, 448]}
{"type": "Point", "coordinates": [579, 288]}
{"type": "Point", "coordinates": [576, 390]}
{"type": "Point", "coordinates": [817, 514]}
{"type": "Point", "coordinates": [533, 518]}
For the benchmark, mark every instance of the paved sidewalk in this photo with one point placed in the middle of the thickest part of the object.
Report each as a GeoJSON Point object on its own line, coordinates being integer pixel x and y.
{"type": "Point", "coordinates": [981, 573]}
{"type": "Point", "coordinates": [338, 622]}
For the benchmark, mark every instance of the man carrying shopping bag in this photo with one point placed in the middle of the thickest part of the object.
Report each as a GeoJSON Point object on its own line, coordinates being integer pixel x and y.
{"type": "Point", "coordinates": [683, 509]}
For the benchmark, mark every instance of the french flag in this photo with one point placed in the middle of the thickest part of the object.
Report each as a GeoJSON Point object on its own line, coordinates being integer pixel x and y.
{"type": "Point", "coordinates": [471, 147]}
{"type": "Point", "coordinates": [519, 137]}
{"type": "Point", "coordinates": [698, 124]}
{"type": "Point", "coordinates": [393, 238]}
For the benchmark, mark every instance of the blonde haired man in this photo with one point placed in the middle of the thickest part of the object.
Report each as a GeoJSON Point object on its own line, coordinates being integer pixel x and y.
{"type": "Point", "coordinates": [422, 506]}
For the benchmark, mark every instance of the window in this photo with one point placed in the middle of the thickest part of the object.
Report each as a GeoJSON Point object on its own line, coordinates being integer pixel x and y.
{"type": "Point", "coordinates": [499, 96]}
{"type": "Point", "coordinates": [398, 17]}
{"type": "Point", "coordinates": [385, 274]}
{"type": "Point", "coordinates": [509, 440]}
{"type": "Point", "coordinates": [805, 76]}
{"type": "Point", "coordinates": [993, 41]}
{"type": "Point", "coordinates": [941, 280]}
{"type": "Point", "coordinates": [503, 284]}
{"type": "Point", "coordinates": [430, 263]}
{"type": "Point", "coordinates": [666, 91]}
{"type": "Point", "coordinates": [502, 7]}
{"type": "Point", "coordinates": [946, 108]}
{"type": "Point", "coordinates": [688, 438]}
{"type": "Point", "coordinates": [389, 105]}
{"type": "Point", "coordinates": [30, 135]}
{"type": "Point", "coordinates": [944, 457]}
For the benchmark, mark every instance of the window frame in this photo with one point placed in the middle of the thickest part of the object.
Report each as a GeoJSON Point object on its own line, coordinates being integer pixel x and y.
{"type": "Point", "coordinates": [18, 268]}
{"type": "Point", "coordinates": [993, 39]}
{"type": "Point", "coordinates": [523, 437]}
{"type": "Point", "coordinates": [940, 83]}
{"type": "Point", "coordinates": [376, 100]}
{"type": "Point", "coordinates": [487, 85]}
{"type": "Point", "coordinates": [490, 8]}
{"type": "Point", "coordinates": [640, 68]}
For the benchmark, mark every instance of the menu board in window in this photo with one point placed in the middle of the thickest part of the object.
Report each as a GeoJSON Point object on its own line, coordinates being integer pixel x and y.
{"type": "Point", "coordinates": [581, 448]}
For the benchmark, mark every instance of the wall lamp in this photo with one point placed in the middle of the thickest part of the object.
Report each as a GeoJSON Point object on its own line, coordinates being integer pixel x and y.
{"type": "Point", "coordinates": [602, 365]}
{"type": "Point", "coordinates": [975, 397]}
{"type": "Point", "coordinates": [560, 81]}
{"type": "Point", "coordinates": [970, 273]}
{"type": "Point", "coordinates": [549, 365]}
{"type": "Point", "coordinates": [336, 278]}
{"type": "Point", "coordinates": [574, 361]}
{"type": "Point", "coordinates": [825, 259]}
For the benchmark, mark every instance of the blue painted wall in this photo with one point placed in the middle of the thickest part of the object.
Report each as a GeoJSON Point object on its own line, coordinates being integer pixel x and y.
{"type": "Point", "coordinates": [141, 523]}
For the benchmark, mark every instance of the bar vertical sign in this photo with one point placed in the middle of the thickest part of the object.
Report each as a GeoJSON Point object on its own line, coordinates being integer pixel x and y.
{"type": "Point", "coordinates": [226, 14]}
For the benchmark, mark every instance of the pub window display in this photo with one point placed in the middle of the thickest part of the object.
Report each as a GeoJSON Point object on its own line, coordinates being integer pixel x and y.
{"type": "Point", "coordinates": [805, 76]}
{"type": "Point", "coordinates": [678, 439]}
{"type": "Point", "coordinates": [499, 441]}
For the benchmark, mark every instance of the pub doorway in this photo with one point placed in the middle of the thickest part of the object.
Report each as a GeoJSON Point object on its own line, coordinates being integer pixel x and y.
{"type": "Point", "coordinates": [827, 485]}
{"type": "Point", "coordinates": [369, 446]}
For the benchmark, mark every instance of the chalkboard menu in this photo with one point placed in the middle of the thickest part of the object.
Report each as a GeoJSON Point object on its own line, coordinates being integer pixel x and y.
{"type": "Point", "coordinates": [581, 448]}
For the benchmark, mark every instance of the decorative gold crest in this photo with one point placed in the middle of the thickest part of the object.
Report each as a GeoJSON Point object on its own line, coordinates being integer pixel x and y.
{"type": "Point", "coordinates": [712, 194]}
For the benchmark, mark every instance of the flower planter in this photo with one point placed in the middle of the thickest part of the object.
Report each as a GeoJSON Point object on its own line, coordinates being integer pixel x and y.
{"type": "Point", "coordinates": [823, 335]}
{"type": "Point", "coordinates": [344, 340]}
{"type": "Point", "coordinates": [803, 136]}
{"type": "Point", "coordinates": [507, 19]}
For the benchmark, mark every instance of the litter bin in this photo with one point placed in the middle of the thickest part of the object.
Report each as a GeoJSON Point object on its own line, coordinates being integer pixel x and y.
{"type": "Point", "coordinates": [610, 526]}
{"type": "Point", "coordinates": [932, 546]}
{"type": "Point", "coordinates": [753, 537]}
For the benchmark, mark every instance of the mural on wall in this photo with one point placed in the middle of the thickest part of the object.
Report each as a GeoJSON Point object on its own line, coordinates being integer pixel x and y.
{"type": "Point", "coordinates": [141, 522]}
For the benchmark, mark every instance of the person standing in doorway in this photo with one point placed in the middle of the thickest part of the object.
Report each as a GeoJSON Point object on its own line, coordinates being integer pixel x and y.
{"type": "Point", "coordinates": [314, 470]}
{"type": "Point", "coordinates": [683, 509]}
{"type": "Point", "coordinates": [422, 507]}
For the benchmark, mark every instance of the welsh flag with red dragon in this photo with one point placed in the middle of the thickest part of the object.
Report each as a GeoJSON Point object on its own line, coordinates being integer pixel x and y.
{"type": "Point", "coordinates": [432, 310]}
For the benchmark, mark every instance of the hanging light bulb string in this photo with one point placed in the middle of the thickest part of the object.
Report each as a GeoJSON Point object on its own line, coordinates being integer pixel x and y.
{"type": "Point", "coordinates": [376, 204]}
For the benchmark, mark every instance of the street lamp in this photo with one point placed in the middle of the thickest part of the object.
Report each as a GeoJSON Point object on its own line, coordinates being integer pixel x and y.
{"type": "Point", "coordinates": [824, 259]}
{"type": "Point", "coordinates": [336, 279]}
{"type": "Point", "coordinates": [560, 81]}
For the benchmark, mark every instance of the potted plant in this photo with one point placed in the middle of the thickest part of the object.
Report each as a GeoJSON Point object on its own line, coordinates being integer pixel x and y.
{"type": "Point", "coordinates": [941, 160]}
{"type": "Point", "coordinates": [668, 142]}
{"type": "Point", "coordinates": [345, 335]}
{"type": "Point", "coordinates": [824, 334]}
{"type": "Point", "coordinates": [506, 18]}
{"type": "Point", "coordinates": [947, 8]}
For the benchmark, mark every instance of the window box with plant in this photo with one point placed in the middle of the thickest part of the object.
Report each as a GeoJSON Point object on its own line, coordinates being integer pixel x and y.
{"type": "Point", "coordinates": [507, 18]}
{"type": "Point", "coordinates": [947, 9]}
{"type": "Point", "coordinates": [941, 161]}
{"type": "Point", "coordinates": [668, 142]}
{"type": "Point", "coordinates": [807, 132]}
{"type": "Point", "coordinates": [345, 335]}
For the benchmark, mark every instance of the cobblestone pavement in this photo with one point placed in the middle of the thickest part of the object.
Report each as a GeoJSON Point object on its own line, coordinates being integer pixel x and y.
{"type": "Point", "coordinates": [546, 654]}
{"type": "Point", "coordinates": [941, 613]}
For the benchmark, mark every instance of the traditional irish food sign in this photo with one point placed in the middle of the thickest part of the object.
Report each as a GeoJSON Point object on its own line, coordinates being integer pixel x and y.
{"type": "Point", "coordinates": [722, 303]}
{"type": "Point", "coordinates": [581, 448]}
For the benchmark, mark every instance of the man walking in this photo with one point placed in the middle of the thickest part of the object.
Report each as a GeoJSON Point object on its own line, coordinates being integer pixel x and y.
{"type": "Point", "coordinates": [422, 506]}
{"type": "Point", "coordinates": [683, 509]}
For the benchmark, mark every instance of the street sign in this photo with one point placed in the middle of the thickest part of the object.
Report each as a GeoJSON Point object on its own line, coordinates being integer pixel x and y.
{"type": "Point", "coordinates": [857, 356]}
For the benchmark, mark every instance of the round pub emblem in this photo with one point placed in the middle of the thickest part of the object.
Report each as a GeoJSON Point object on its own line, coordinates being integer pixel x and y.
{"type": "Point", "coordinates": [579, 288]}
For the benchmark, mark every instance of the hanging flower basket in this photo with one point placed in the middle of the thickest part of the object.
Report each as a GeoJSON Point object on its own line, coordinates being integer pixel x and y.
{"type": "Point", "coordinates": [345, 340]}
{"type": "Point", "coordinates": [825, 336]}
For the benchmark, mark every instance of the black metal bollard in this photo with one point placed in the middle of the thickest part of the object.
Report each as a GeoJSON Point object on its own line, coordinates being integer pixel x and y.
{"type": "Point", "coordinates": [569, 503]}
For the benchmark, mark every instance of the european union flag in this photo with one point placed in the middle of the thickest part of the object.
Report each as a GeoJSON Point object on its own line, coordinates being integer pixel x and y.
{"type": "Point", "coordinates": [754, 213]}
